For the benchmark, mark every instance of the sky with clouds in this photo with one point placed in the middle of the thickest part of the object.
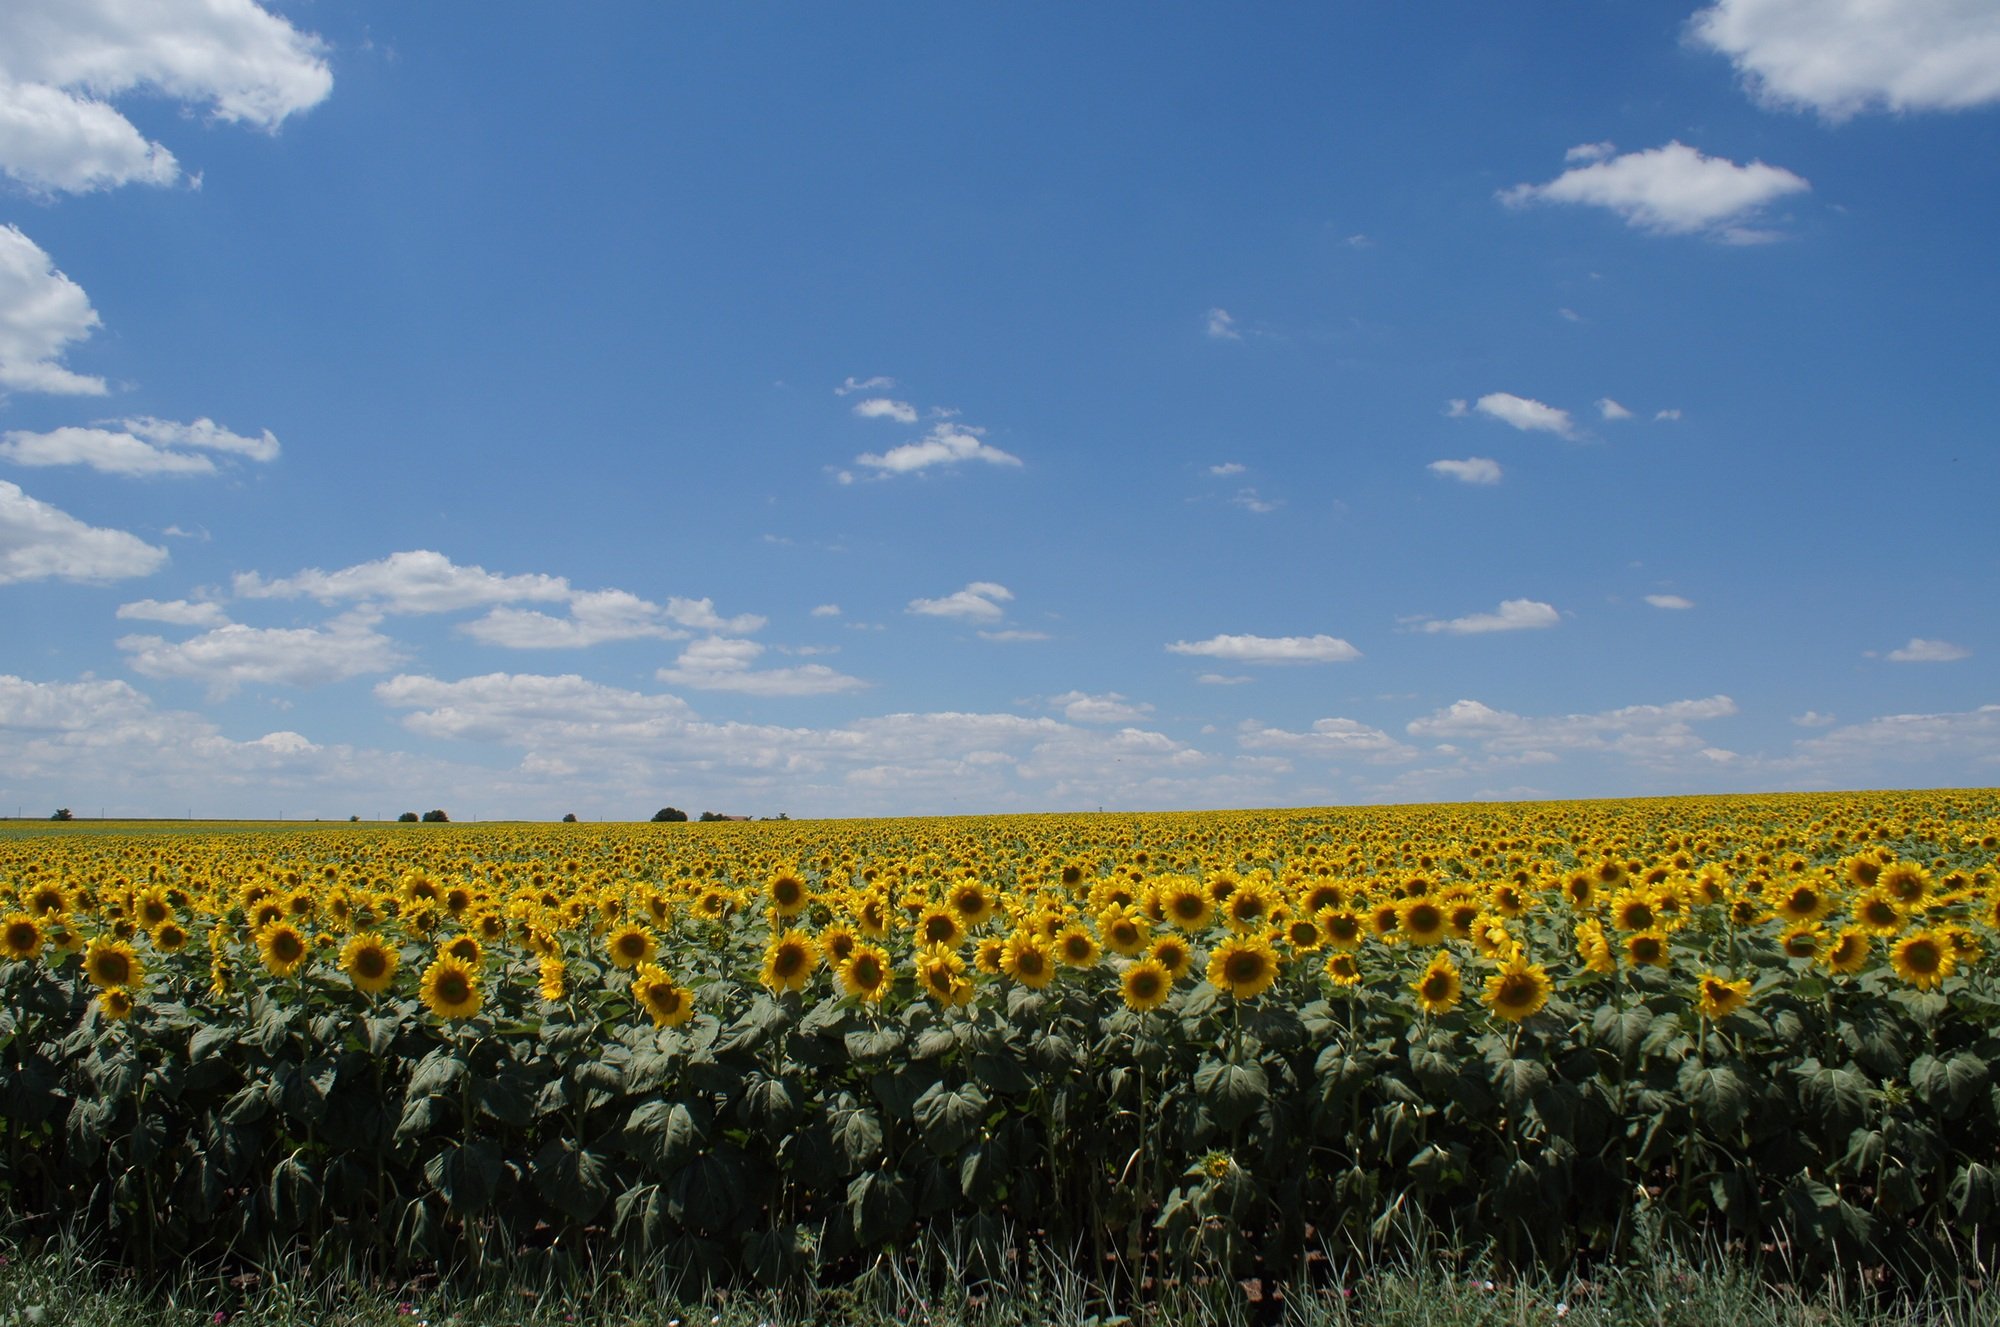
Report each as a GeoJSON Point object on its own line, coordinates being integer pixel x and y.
{"type": "Point", "coordinates": [950, 409]}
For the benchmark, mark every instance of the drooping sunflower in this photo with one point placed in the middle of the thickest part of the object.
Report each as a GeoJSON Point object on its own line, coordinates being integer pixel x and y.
{"type": "Point", "coordinates": [630, 945]}
{"type": "Point", "coordinates": [369, 962]}
{"type": "Point", "coordinates": [450, 988]}
{"type": "Point", "coordinates": [1923, 959]}
{"type": "Point", "coordinates": [1593, 947]}
{"type": "Point", "coordinates": [788, 962]}
{"type": "Point", "coordinates": [1517, 991]}
{"type": "Point", "coordinates": [666, 1002]}
{"type": "Point", "coordinates": [109, 962]}
{"type": "Point", "coordinates": [866, 973]}
{"type": "Point", "coordinates": [1145, 985]}
{"type": "Point", "coordinates": [1721, 997]}
{"type": "Point", "coordinates": [20, 936]}
{"type": "Point", "coordinates": [1244, 966]}
{"type": "Point", "coordinates": [1027, 958]}
{"type": "Point", "coordinates": [550, 972]}
{"type": "Point", "coordinates": [1438, 987]}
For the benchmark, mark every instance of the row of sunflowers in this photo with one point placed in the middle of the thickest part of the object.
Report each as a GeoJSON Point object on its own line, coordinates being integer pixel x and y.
{"type": "Point", "coordinates": [1180, 1042]}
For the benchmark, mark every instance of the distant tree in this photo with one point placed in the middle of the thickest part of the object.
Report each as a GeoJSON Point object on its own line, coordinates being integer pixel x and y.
{"type": "Point", "coordinates": [407, 818]}
{"type": "Point", "coordinates": [707, 816]}
{"type": "Point", "coordinates": [570, 818]}
{"type": "Point", "coordinates": [64, 813]}
{"type": "Point", "coordinates": [354, 820]}
{"type": "Point", "coordinates": [436, 818]}
{"type": "Point", "coordinates": [669, 815]}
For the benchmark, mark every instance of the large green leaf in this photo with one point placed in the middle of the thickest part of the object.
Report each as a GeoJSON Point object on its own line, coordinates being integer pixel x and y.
{"type": "Point", "coordinates": [948, 1117]}
{"type": "Point", "coordinates": [1232, 1092]}
{"type": "Point", "coordinates": [572, 1178]}
{"type": "Point", "coordinates": [878, 1204]}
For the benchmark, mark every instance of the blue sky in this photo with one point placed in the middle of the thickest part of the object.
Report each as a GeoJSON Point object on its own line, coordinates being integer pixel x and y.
{"type": "Point", "coordinates": [902, 409]}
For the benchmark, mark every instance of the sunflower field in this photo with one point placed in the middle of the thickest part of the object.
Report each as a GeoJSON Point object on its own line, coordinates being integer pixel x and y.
{"type": "Point", "coordinates": [1171, 1046]}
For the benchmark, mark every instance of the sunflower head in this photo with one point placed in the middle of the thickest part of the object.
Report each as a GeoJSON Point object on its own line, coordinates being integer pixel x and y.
{"type": "Point", "coordinates": [1517, 991]}
{"type": "Point", "coordinates": [1923, 959]}
{"type": "Point", "coordinates": [1422, 921]}
{"type": "Point", "coordinates": [1343, 967]}
{"type": "Point", "coordinates": [369, 962]}
{"type": "Point", "coordinates": [1076, 946]}
{"type": "Point", "coordinates": [1847, 952]}
{"type": "Point", "coordinates": [1173, 953]}
{"type": "Point", "coordinates": [787, 894]}
{"type": "Point", "coordinates": [665, 1001]}
{"type": "Point", "coordinates": [866, 973]}
{"type": "Point", "coordinates": [938, 924]}
{"type": "Point", "coordinates": [1028, 959]}
{"type": "Point", "coordinates": [630, 945]}
{"type": "Point", "coordinates": [789, 961]}
{"type": "Point", "coordinates": [450, 988]}
{"type": "Point", "coordinates": [21, 936]}
{"type": "Point", "coordinates": [1145, 985]}
{"type": "Point", "coordinates": [109, 962]}
{"type": "Point", "coordinates": [1648, 949]}
{"type": "Point", "coordinates": [1719, 997]}
{"type": "Point", "coordinates": [1244, 966]}
{"type": "Point", "coordinates": [1437, 987]}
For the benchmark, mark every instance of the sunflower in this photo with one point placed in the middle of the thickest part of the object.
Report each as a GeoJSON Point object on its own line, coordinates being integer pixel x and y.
{"type": "Point", "coordinates": [1344, 928]}
{"type": "Point", "coordinates": [369, 962]}
{"type": "Point", "coordinates": [668, 1003]}
{"type": "Point", "coordinates": [111, 963]}
{"type": "Point", "coordinates": [1862, 870]}
{"type": "Point", "coordinates": [986, 954]}
{"type": "Point", "coordinates": [115, 1003]}
{"type": "Point", "coordinates": [630, 945]}
{"type": "Point", "coordinates": [169, 937]}
{"type": "Point", "coordinates": [1244, 966]}
{"type": "Point", "coordinates": [1123, 931]}
{"type": "Point", "coordinates": [938, 924]}
{"type": "Point", "coordinates": [20, 936]}
{"type": "Point", "coordinates": [150, 908]}
{"type": "Point", "coordinates": [464, 947]}
{"type": "Point", "coordinates": [786, 894]}
{"type": "Point", "coordinates": [1580, 888]}
{"type": "Point", "coordinates": [1027, 958]}
{"type": "Point", "coordinates": [283, 947]}
{"type": "Point", "coordinates": [789, 962]}
{"type": "Point", "coordinates": [1647, 949]}
{"type": "Point", "coordinates": [1518, 990]}
{"type": "Point", "coordinates": [1803, 940]}
{"type": "Point", "coordinates": [1923, 959]}
{"type": "Point", "coordinates": [1878, 912]}
{"type": "Point", "coordinates": [1721, 997]}
{"type": "Point", "coordinates": [1633, 910]}
{"type": "Point", "coordinates": [1343, 968]}
{"type": "Point", "coordinates": [47, 900]}
{"type": "Point", "coordinates": [1145, 985]}
{"type": "Point", "coordinates": [941, 976]}
{"type": "Point", "coordinates": [1302, 934]}
{"type": "Point", "coordinates": [866, 973]}
{"type": "Point", "coordinates": [1248, 908]}
{"type": "Point", "coordinates": [550, 972]}
{"type": "Point", "coordinates": [1172, 953]}
{"type": "Point", "coordinates": [1385, 918]}
{"type": "Point", "coordinates": [972, 901]}
{"type": "Point", "coordinates": [450, 988]}
{"type": "Point", "coordinates": [1593, 948]}
{"type": "Point", "coordinates": [1437, 987]}
{"type": "Point", "coordinates": [1847, 952]}
{"type": "Point", "coordinates": [1422, 921]}
{"type": "Point", "coordinates": [872, 915]}
{"type": "Point", "coordinates": [1509, 899]}
{"type": "Point", "coordinates": [1804, 901]}
{"type": "Point", "coordinates": [1186, 904]}
{"type": "Point", "coordinates": [1076, 946]}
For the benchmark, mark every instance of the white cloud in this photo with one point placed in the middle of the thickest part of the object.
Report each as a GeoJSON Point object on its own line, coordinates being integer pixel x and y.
{"type": "Point", "coordinates": [1609, 409]}
{"type": "Point", "coordinates": [1842, 57]}
{"type": "Point", "coordinates": [1645, 732]}
{"type": "Point", "coordinates": [1269, 649]}
{"type": "Point", "coordinates": [1951, 749]}
{"type": "Point", "coordinates": [1512, 615]}
{"type": "Point", "coordinates": [62, 60]}
{"type": "Point", "coordinates": [1013, 635]}
{"type": "Point", "coordinates": [1332, 738]}
{"type": "Point", "coordinates": [1221, 326]}
{"type": "Point", "coordinates": [1454, 409]}
{"type": "Point", "coordinates": [102, 450]}
{"type": "Point", "coordinates": [945, 444]}
{"type": "Point", "coordinates": [1525, 414]}
{"type": "Point", "coordinates": [1227, 468]}
{"type": "Point", "coordinates": [174, 612]}
{"type": "Point", "coordinates": [595, 617]}
{"type": "Point", "coordinates": [206, 435]}
{"type": "Point", "coordinates": [881, 407]}
{"type": "Point", "coordinates": [852, 385]}
{"type": "Point", "coordinates": [1472, 470]}
{"type": "Point", "coordinates": [716, 664]}
{"type": "Point", "coordinates": [1814, 719]}
{"type": "Point", "coordinates": [980, 601]}
{"type": "Point", "coordinates": [1590, 152]}
{"type": "Point", "coordinates": [1248, 500]}
{"type": "Point", "coordinates": [826, 610]}
{"type": "Point", "coordinates": [1223, 680]}
{"type": "Point", "coordinates": [1671, 190]}
{"type": "Point", "coordinates": [1669, 601]}
{"type": "Point", "coordinates": [700, 614]}
{"type": "Point", "coordinates": [418, 581]}
{"type": "Point", "coordinates": [1920, 650]}
{"type": "Point", "coordinates": [232, 655]}
{"type": "Point", "coordinates": [38, 542]}
{"type": "Point", "coordinates": [42, 314]}
{"type": "Point", "coordinates": [1111, 707]}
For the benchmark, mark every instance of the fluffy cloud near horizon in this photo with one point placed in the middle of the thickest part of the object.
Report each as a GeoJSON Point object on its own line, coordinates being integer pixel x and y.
{"type": "Point", "coordinates": [1643, 732]}
{"type": "Point", "coordinates": [1111, 707]}
{"type": "Point", "coordinates": [1670, 190]}
{"type": "Point", "coordinates": [1920, 650]}
{"type": "Point", "coordinates": [1334, 738]}
{"type": "Point", "coordinates": [1512, 615]}
{"type": "Point", "coordinates": [1843, 57]}
{"type": "Point", "coordinates": [1269, 649]}
{"type": "Point", "coordinates": [40, 542]}
{"type": "Point", "coordinates": [61, 61]}
{"type": "Point", "coordinates": [718, 664]}
{"type": "Point", "coordinates": [231, 656]}
{"type": "Point", "coordinates": [42, 314]}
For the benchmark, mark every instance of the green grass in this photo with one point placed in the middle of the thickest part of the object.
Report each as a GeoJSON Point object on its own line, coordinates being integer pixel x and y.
{"type": "Point", "coordinates": [60, 1287]}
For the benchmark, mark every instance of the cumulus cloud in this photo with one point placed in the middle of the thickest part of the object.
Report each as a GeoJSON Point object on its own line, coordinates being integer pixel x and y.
{"type": "Point", "coordinates": [979, 601]}
{"type": "Point", "coordinates": [1843, 57]}
{"type": "Point", "coordinates": [1111, 707]}
{"type": "Point", "coordinates": [233, 655]}
{"type": "Point", "coordinates": [1512, 615]}
{"type": "Point", "coordinates": [1608, 409]}
{"type": "Point", "coordinates": [1330, 738]}
{"type": "Point", "coordinates": [881, 407]}
{"type": "Point", "coordinates": [716, 664]}
{"type": "Point", "coordinates": [1013, 635]}
{"type": "Point", "coordinates": [1223, 679]}
{"type": "Point", "coordinates": [1959, 748]}
{"type": "Point", "coordinates": [1644, 732]}
{"type": "Point", "coordinates": [140, 447]}
{"type": "Point", "coordinates": [1472, 470]}
{"type": "Point", "coordinates": [1526, 414]}
{"type": "Point", "coordinates": [1669, 601]}
{"type": "Point", "coordinates": [1671, 190]}
{"type": "Point", "coordinates": [826, 610]}
{"type": "Point", "coordinates": [853, 385]}
{"type": "Point", "coordinates": [1221, 326]}
{"type": "Point", "coordinates": [1249, 500]}
{"type": "Point", "coordinates": [595, 617]}
{"type": "Point", "coordinates": [418, 581]}
{"type": "Point", "coordinates": [1920, 650]}
{"type": "Point", "coordinates": [42, 314]}
{"type": "Point", "coordinates": [62, 61]}
{"type": "Point", "coordinates": [174, 612]}
{"type": "Point", "coordinates": [40, 542]}
{"type": "Point", "coordinates": [1226, 469]}
{"type": "Point", "coordinates": [1269, 649]}
{"type": "Point", "coordinates": [945, 444]}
